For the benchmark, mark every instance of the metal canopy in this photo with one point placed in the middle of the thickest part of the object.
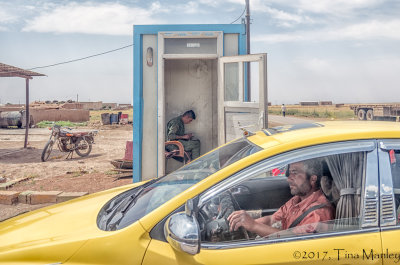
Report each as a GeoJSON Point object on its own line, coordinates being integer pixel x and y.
{"type": "Point", "coordinates": [12, 71]}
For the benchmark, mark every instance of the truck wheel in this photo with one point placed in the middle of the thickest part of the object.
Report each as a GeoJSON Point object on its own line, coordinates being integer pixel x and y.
{"type": "Point", "coordinates": [370, 115]}
{"type": "Point", "coordinates": [361, 114]}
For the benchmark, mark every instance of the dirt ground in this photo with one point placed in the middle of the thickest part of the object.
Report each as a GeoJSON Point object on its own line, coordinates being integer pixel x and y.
{"type": "Point", "coordinates": [91, 174]}
{"type": "Point", "coordinates": [88, 174]}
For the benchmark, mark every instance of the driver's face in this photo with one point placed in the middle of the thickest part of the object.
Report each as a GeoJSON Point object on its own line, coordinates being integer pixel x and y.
{"type": "Point", "coordinates": [298, 182]}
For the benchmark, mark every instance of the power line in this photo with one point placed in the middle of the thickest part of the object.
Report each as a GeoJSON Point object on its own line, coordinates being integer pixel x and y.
{"type": "Point", "coordinates": [244, 10]}
{"type": "Point", "coordinates": [80, 59]}
{"type": "Point", "coordinates": [87, 57]}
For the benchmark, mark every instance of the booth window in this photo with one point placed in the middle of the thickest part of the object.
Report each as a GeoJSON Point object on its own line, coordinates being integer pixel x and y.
{"type": "Point", "coordinates": [231, 82]}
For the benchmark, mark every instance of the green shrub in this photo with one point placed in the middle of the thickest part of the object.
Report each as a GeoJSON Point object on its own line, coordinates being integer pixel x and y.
{"type": "Point", "coordinates": [325, 113]}
{"type": "Point", "coordinates": [45, 124]}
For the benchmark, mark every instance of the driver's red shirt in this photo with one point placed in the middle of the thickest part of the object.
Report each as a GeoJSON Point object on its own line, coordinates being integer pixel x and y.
{"type": "Point", "coordinates": [293, 208]}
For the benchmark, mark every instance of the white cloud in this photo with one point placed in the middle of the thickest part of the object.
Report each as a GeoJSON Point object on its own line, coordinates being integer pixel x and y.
{"type": "Point", "coordinates": [289, 13]}
{"type": "Point", "coordinates": [284, 18]}
{"type": "Point", "coordinates": [6, 17]}
{"type": "Point", "coordinates": [190, 7]}
{"type": "Point", "coordinates": [93, 18]}
{"type": "Point", "coordinates": [372, 29]}
{"type": "Point", "coordinates": [336, 6]}
{"type": "Point", "coordinates": [317, 6]}
{"type": "Point", "coordinates": [155, 6]}
{"type": "Point", "coordinates": [316, 65]}
{"type": "Point", "coordinates": [369, 30]}
{"type": "Point", "coordinates": [212, 3]}
{"type": "Point", "coordinates": [372, 79]}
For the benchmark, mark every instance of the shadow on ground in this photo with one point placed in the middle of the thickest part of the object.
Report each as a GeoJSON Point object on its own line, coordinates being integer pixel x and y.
{"type": "Point", "coordinates": [33, 155]}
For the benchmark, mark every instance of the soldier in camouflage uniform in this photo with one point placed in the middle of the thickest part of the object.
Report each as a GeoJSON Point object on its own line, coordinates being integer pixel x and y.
{"type": "Point", "coordinates": [176, 132]}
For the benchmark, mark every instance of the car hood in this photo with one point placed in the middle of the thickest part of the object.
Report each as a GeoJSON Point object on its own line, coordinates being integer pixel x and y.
{"type": "Point", "coordinates": [53, 234]}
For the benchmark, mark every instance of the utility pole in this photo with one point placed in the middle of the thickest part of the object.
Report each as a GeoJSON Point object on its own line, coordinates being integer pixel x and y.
{"type": "Point", "coordinates": [77, 98]}
{"type": "Point", "coordinates": [248, 49]}
{"type": "Point", "coordinates": [248, 26]}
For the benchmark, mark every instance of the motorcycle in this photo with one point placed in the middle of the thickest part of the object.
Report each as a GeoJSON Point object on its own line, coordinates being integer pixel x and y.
{"type": "Point", "coordinates": [69, 141]}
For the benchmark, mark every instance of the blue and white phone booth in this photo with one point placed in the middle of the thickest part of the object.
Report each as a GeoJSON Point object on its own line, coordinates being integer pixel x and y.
{"type": "Point", "coordinates": [198, 67]}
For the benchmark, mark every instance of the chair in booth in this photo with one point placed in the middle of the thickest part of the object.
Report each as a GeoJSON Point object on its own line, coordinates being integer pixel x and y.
{"type": "Point", "coordinates": [177, 152]}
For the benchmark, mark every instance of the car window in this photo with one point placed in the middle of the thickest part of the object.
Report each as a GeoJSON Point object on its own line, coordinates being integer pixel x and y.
{"type": "Point", "coordinates": [394, 157]}
{"type": "Point", "coordinates": [130, 206]}
{"type": "Point", "coordinates": [325, 227]}
{"type": "Point", "coordinates": [271, 196]}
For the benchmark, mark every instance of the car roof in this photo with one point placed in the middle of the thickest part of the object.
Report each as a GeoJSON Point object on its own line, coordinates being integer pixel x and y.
{"type": "Point", "coordinates": [305, 134]}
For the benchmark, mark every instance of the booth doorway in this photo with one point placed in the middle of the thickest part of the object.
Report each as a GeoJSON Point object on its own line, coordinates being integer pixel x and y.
{"type": "Point", "coordinates": [192, 84]}
{"type": "Point", "coordinates": [215, 90]}
{"type": "Point", "coordinates": [194, 74]}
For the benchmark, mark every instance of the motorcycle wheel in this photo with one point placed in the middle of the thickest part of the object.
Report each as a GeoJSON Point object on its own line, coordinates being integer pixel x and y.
{"type": "Point", "coordinates": [47, 150]}
{"type": "Point", "coordinates": [83, 147]}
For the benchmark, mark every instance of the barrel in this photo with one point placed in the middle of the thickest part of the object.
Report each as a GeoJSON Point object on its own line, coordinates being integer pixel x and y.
{"type": "Point", "coordinates": [124, 119]}
{"type": "Point", "coordinates": [119, 116]}
{"type": "Point", "coordinates": [105, 118]}
{"type": "Point", "coordinates": [113, 118]}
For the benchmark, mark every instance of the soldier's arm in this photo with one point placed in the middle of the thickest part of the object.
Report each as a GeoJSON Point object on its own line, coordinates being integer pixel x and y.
{"type": "Point", "coordinates": [172, 130]}
{"type": "Point", "coordinates": [171, 134]}
{"type": "Point", "coordinates": [185, 137]}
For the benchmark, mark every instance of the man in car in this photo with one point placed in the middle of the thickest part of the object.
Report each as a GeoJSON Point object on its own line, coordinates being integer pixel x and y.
{"type": "Point", "coordinates": [304, 210]}
{"type": "Point", "coordinates": [176, 132]}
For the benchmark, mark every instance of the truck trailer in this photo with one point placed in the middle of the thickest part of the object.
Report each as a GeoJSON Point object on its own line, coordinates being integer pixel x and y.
{"type": "Point", "coordinates": [390, 111]}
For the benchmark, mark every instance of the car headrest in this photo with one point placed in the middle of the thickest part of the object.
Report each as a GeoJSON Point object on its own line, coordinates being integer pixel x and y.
{"type": "Point", "coordinates": [329, 188]}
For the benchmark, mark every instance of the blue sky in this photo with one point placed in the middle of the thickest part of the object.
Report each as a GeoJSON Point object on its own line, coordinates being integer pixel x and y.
{"type": "Point", "coordinates": [340, 50]}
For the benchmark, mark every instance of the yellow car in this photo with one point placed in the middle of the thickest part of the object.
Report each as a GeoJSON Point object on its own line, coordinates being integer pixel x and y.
{"type": "Point", "coordinates": [200, 214]}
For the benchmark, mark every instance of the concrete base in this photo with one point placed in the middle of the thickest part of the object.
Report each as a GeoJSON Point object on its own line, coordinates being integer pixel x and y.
{"type": "Point", "coordinates": [8, 197]}
{"type": "Point", "coordinates": [66, 196]}
{"type": "Point", "coordinates": [37, 197]}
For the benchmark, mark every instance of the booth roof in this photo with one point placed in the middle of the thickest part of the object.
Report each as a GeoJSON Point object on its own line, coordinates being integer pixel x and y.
{"type": "Point", "coordinates": [12, 71]}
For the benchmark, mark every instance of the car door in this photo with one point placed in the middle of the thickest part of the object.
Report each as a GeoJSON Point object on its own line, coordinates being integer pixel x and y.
{"type": "Point", "coordinates": [389, 170]}
{"type": "Point", "coordinates": [338, 241]}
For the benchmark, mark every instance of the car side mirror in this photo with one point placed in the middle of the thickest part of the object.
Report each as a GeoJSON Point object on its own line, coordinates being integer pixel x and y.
{"type": "Point", "coordinates": [183, 233]}
{"type": "Point", "coordinates": [191, 206]}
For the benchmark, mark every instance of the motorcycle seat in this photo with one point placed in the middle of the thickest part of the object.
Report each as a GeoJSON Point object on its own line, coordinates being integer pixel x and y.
{"type": "Point", "coordinates": [76, 134]}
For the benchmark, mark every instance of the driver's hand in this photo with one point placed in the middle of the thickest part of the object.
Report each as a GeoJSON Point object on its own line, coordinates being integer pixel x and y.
{"type": "Point", "coordinates": [240, 218]}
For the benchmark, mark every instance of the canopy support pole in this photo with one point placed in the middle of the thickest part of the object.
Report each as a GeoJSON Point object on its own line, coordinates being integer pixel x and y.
{"type": "Point", "coordinates": [27, 113]}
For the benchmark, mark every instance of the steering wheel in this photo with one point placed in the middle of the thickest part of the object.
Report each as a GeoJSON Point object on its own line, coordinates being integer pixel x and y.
{"type": "Point", "coordinates": [236, 207]}
{"type": "Point", "coordinates": [214, 216]}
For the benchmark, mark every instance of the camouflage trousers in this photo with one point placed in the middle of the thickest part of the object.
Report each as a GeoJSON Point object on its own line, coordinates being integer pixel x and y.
{"type": "Point", "coordinates": [192, 146]}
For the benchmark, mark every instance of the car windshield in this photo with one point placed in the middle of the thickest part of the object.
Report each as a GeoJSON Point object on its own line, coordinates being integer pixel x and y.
{"type": "Point", "coordinates": [132, 205]}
